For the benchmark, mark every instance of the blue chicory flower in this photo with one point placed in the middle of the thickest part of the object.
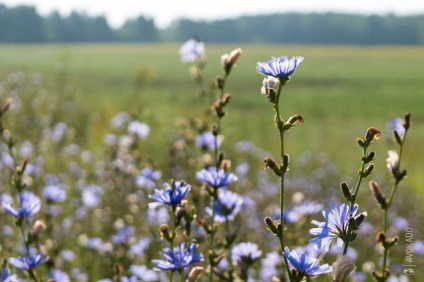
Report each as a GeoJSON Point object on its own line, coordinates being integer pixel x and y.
{"type": "Point", "coordinates": [7, 276]}
{"type": "Point", "coordinates": [397, 125]}
{"type": "Point", "coordinates": [139, 129]}
{"type": "Point", "coordinates": [227, 206]}
{"type": "Point", "coordinates": [216, 178]}
{"type": "Point", "coordinates": [54, 193]}
{"type": "Point", "coordinates": [172, 195]}
{"type": "Point", "coordinates": [58, 275]}
{"type": "Point", "coordinates": [305, 265]}
{"type": "Point", "coordinates": [148, 177]}
{"type": "Point", "coordinates": [206, 141]}
{"type": "Point", "coordinates": [123, 235]}
{"type": "Point", "coordinates": [335, 226]}
{"type": "Point", "coordinates": [29, 262]}
{"type": "Point", "coordinates": [245, 252]}
{"type": "Point", "coordinates": [191, 50]}
{"type": "Point", "coordinates": [279, 67]}
{"type": "Point", "coordinates": [92, 196]}
{"type": "Point", "coordinates": [179, 258]}
{"type": "Point", "coordinates": [29, 205]}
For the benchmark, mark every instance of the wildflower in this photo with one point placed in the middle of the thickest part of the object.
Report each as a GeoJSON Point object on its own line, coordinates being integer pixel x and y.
{"type": "Point", "coordinates": [270, 265]}
{"type": "Point", "coordinates": [29, 262]}
{"type": "Point", "coordinates": [59, 131]}
{"type": "Point", "coordinates": [207, 141]}
{"type": "Point", "coordinates": [227, 206]}
{"type": "Point", "coordinates": [307, 208]}
{"type": "Point", "coordinates": [179, 258]}
{"type": "Point", "coordinates": [139, 248]}
{"type": "Point", "coordinates": [245, 252]}
{"type": "Point", "coordinates": [148, 177]}
{"type": "Point", "coordinates": [67, 255]}
{"type": "Point", "coordinates": [6, 275]}
{"type": "Point", "coordinates": [335, 226]}
{"type": "Point", "coordinates": [58, 275]}
{"type": "Point", "coordinates": [279, 67]}
{"type": "Point", "coordinates": [393, 162]}
{"type": "Point", "coordinates": [142, 272]}
{"type": "Point", "coordinates": [216, 178]}
{"type": "Point", "coordinates": [123, 235]}
{"type": "Point", "coordinates": [397, 125]}
{"type": "Point", "coordinates": [171, 195]}
{"type": "Point", "coordinates": [139, 129]}
{"type": "Point", "coordinates": [191, 50]}
{"type": "Point", "coordinates": [29, 205]}
{"type": "Point", "coordinates": [119, 120]}
{"type": "Point", "coordinates": [92, 196]}
{"type": "Point", "coordinates": [343, 266]}
{"type": "Point", "coordinates": [418, 247]}
{"type": "Point", "coordinates": [54, 193]}
{"type": "Point", "coordinates": [304, 265]}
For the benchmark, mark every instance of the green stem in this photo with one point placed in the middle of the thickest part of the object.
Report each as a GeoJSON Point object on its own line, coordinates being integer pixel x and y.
{"type": "Point", "coordinates": [230, 260]}
{"type": "Point", "coordinates": [279, 123]}
{"type": "Point", "coordinates": [174, 226]}
{"type": "Point", "coordinates": [392, 193]}
{"type": "Point", "coordinates": [352, 202]}
{"type": "Point", "coordinates": [212, 239]}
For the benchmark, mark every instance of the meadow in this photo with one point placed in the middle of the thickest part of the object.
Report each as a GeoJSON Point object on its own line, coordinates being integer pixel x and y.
{"type": "Point", "coordinates": [340, 91]}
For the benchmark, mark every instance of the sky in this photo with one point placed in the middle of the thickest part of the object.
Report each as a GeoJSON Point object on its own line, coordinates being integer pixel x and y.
{"type": "Point", "coordinates": [165, 11]}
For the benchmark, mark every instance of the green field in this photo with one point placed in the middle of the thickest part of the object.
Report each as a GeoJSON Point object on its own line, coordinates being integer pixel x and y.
{"type": "Point", "coordinates": [339, 90]}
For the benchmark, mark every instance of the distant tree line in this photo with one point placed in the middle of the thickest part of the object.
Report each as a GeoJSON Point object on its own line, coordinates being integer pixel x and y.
{"type": "Point", "coordinates": [23, 24]}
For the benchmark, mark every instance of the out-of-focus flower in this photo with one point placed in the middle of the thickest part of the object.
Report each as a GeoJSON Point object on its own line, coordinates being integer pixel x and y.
{"type": "Point", "coordinates": [245, 252]}
{"type": "Point", "coordinates": [342, 267]}
{"type": "Point", "coordinates": [305, 265]}
{"type": "Point", "coordinates": [139, 129]}
{"type": "Point", "coordinates": [397, 125]}
{"type": "Point", "coordinates": [139, 248]}
{"type": "Point", "coordinates": [335, 226]}
{"type": "Point", "coordinates": [119, 120]}
{"type": "Point", "coordinates": [123, 235]}
{"type": "Point", "coordinates": [227, 206]}
{"type": "Point", "coordinates": [158, 216]}
{"type": "Point", "coordinates": [29, 205]}
{"type": "Point", "coordinates": [206, 141]}
{"type": "Point", "coordinates": [148, 177]}
{"type": "Point", "coordinates": [55, 193]}
{"type": "Point", "coordinates": [279, 67]}
{"type": "Point", "coordinates": [7, 276]}
{"type": "Point", "coordinates": [29, 262]}
{"type": "Point", "coordinates": [418, 247]}
{"type": "Point", "coordinates": [191, 50]}
{"type": "Point", "coordinates": [179, 258]}
{"type": "Point", "coordinates": [172, 195]}
{"type": "Point", "coordinates": [216, 178]}
{"type": "Point", "coordinates": [393, 162]}
{"type": "Point", "coordinates": [59, 131]}
{"type": "Point", "coordinates": [67, 255]}
{"type": "Point", "coordinates": [59, 276]}
{"type": "Point", "coordinates": [92, 196]}
{"type": "Point", "coordinates": [270, 265]}
{"type": "Point", "coordinates": [143, 273]}
{"type": "Point", "coordinates": [307, 208]}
